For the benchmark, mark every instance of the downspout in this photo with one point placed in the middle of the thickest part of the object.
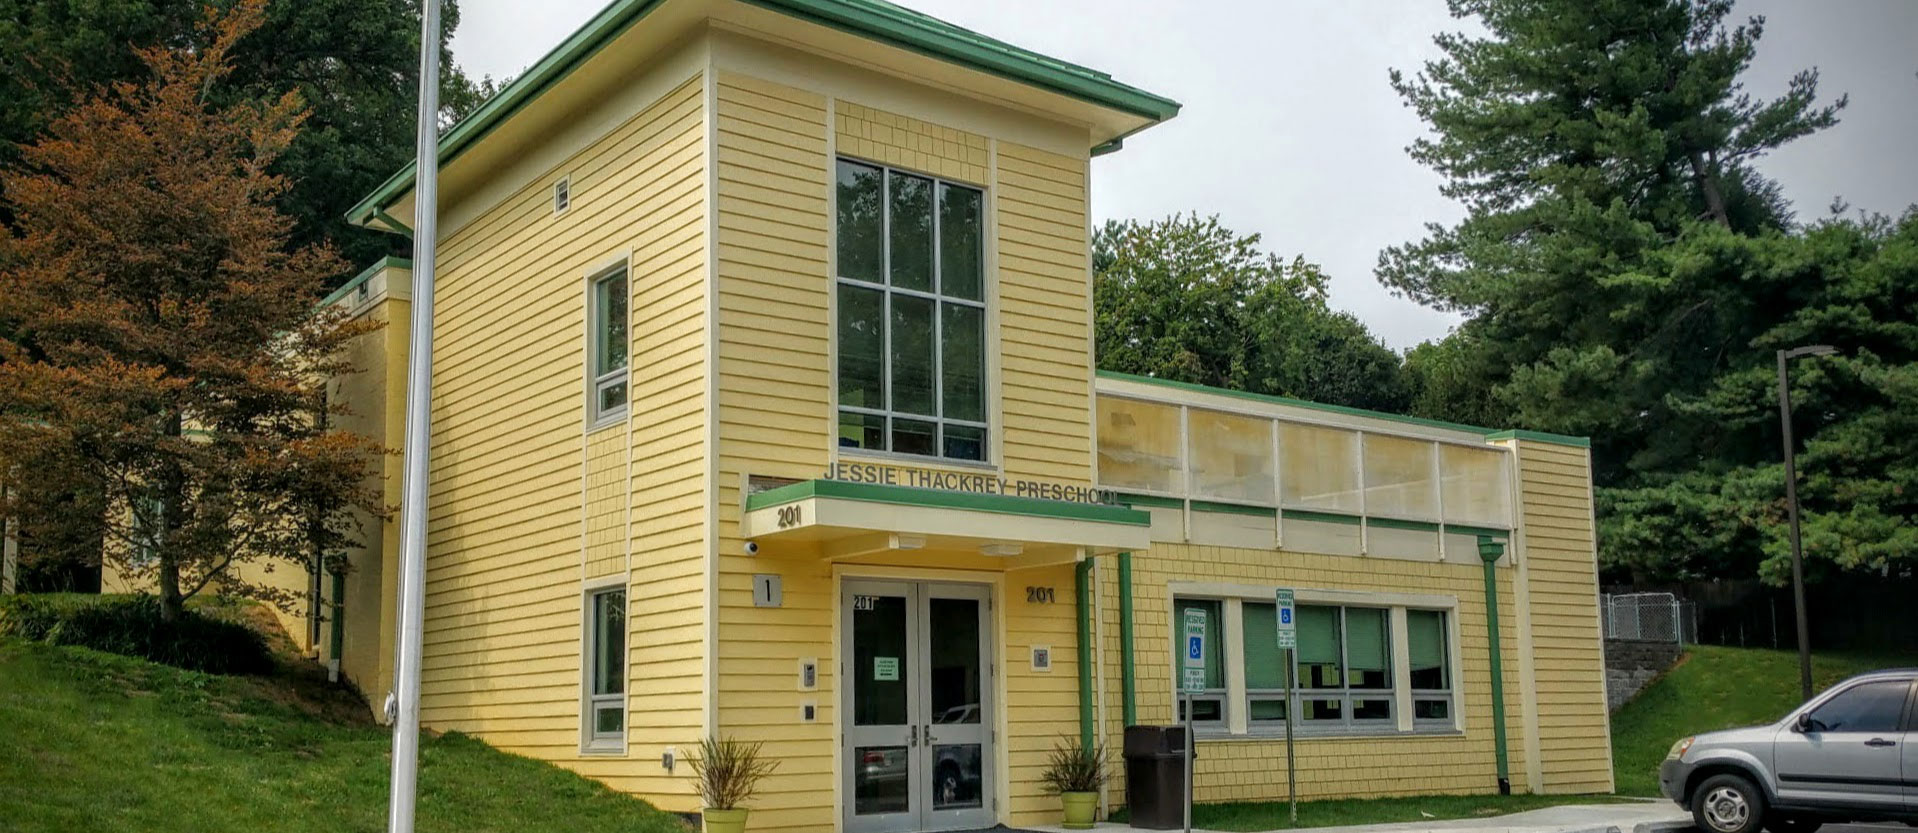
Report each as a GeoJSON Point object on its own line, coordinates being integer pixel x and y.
{"type": "Point", "coordinates": [1131, 701]}
{"type": "Point", "coordinates": [1082, 583]}
{"type": "Point", "coordinates": [1489, 552]}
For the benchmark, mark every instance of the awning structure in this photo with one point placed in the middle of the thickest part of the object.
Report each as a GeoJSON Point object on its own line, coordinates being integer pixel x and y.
{"type": "Point", "coordinates": [841, 521]}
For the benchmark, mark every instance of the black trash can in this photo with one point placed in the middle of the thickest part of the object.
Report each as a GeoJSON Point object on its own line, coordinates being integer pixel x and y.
{"type": "Point", "coordinates": [1155, 787]}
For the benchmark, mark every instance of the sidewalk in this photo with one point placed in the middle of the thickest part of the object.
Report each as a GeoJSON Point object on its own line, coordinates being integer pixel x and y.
{"type": "Point", "coordinates": [1629, 817]}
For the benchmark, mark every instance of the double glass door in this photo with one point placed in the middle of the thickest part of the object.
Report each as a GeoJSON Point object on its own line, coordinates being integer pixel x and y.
{"type": "Point", "coordinates": [918, 743]}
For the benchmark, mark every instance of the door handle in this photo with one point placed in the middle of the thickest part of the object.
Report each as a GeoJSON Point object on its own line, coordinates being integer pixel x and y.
{"type": "Point", "coordinates": [929, 737]}
{"type": "Point", "coordinates": [1880, 742]}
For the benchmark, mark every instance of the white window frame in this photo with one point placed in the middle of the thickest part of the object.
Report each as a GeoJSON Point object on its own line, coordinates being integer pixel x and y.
{"type": "Point", "coordinates": [591, 740]}
{"type": "Point", "coordinates": [887, 291]}
{"type": "Point", "coordinates": [1447, 650]}
{"type": "Point", "coordinates": [1236, 710]}
{"type": "Point", "coordinates": [596, 383]}
{"type": "Point", "coordinates": [562, 195]}
{"type": "Point", "coordinates": [1221, 695]}
{"type": "Point", "coordinates": [1346, 694]}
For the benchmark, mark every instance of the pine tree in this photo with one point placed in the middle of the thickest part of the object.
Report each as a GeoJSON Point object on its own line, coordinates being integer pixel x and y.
{"type": "Point", "coordinates": [162, 351]}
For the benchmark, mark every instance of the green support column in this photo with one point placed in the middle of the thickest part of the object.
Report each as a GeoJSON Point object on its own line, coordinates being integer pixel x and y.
{"type": "Point", "coordinates": [1131, 700]}
{"type": "Point", "coordinates": [1489, 551]}
{"type": "Point", "coordinates": [1082, 583]}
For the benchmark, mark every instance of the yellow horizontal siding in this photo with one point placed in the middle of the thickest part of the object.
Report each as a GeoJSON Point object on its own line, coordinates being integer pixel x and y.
{"type": "Point", "coordinates": [526, 502]}
{"type": "Point", "coordinates": [1574, 739]}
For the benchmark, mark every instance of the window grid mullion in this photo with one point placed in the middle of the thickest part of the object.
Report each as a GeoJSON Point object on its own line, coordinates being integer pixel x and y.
{"type": "Point", "coordinates": [885, 307]}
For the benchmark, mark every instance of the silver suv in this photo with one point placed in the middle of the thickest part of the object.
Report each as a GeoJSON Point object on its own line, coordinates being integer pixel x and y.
{"type": "Point", "coordinates": [1847, 755]}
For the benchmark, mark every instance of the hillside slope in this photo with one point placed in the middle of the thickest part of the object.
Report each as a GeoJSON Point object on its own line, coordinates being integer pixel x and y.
{"type": "Point", "coordinates": [94, 741]}
{"type": "Point", "coordinates": [1716, 688]}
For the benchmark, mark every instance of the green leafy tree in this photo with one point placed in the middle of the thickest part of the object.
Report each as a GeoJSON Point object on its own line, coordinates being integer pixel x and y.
{"type": "Point", "coordinates": [1188, 299]}
{"type": "Point", "coordinates": [354, 61]}
{"type": "Point", "coordinates": [1629, 272]}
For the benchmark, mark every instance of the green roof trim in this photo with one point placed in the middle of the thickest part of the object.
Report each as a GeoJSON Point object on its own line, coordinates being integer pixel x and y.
{"type": "Point", "coordinates": [1462, 529]}
{"type": "Point", "coordinates": [939, 499]}
{"type": "Point", "coordinates": [1296, 403]}
{"type": "Point", "coordinates": [1489, 434]}
{"type": "Point", "coordinates": [1232, 509]}
{"type": "Point", "coordinates": [1154, 501]}
{"type": "Point", "coordinates": [873, 19]}
{"type": "Point", "coordinates": [1540, 437]}
{"type": "Point", "coordinates": [1322, 517]}
{"type": "Point", "coordinates": [1400, 523]}
{"type": "Point", "coordinates": [388, 262]}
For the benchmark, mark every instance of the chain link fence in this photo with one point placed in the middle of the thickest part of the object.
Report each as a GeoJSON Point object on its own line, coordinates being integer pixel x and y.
{"type": "Point", "coordinates": [1651, 617]}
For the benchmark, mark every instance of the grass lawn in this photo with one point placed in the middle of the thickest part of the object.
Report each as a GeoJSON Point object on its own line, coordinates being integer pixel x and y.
{"type": "Point", "coordinates": [94, 741]}
{"type": "Point", "coordinates": [1716, 688]}
{"type": "Point", "coordinates": [1275, 815]}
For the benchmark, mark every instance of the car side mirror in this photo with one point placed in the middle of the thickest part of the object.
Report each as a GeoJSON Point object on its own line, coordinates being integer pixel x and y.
{"type": "Point", "coordinates": [1803, 724]}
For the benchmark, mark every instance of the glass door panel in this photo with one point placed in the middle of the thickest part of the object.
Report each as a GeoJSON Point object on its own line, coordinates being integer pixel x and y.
{"type": "Point", "coordinates": [882, 626]}
{"type": "Point", "coordinates": [957, 781]}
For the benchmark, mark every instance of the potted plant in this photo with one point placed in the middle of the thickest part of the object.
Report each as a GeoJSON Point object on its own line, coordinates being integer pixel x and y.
{"type": "Point", "coordinates": [726, 772]}
{"type": "Point", "coordinates": [1076, 773]}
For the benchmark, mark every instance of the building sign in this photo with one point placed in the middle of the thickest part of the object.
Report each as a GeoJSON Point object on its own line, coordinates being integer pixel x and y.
{"type": "Point", "coordinates": [959, 481]}
{"type": "Point", "coordinates": [1193, 680]}
{"type": "Point", "coordinates": [885, 669]}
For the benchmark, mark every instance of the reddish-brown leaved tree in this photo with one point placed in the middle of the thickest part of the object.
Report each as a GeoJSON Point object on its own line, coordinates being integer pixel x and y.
{"type": "Point", "coordinates": [160, 346]}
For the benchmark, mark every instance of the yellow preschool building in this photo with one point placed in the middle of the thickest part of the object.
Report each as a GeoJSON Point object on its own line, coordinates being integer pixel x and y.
{"type": "Point", "coordinates": [765, 406]}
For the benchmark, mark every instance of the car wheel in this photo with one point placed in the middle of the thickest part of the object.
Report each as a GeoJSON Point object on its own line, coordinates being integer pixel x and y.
{"type": "Point", "coordinates": [1728, 804]}
{"type": "Point", "coordinates": [1792, 824]}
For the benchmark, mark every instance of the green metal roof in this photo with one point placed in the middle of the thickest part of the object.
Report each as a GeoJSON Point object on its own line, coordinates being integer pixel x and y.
{"type": "Point", "coordinates": [1487, 433]}
{"type": "Point", "coordinates": [873, 19]}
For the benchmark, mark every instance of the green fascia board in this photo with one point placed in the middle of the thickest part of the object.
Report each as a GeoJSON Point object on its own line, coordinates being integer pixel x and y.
{"type": "Point", "coordinates": [1462, 529]}
{"type": "Point", "coordinates": [1401, 523]}
{"type": "Point", "coordinates": [388, 262]}
{"type": "Point", "coordinates": [873, 19]}
{"type": "Point", "coordinates": [1489, 434]}
{"type": "Point", "coordinates": [1232, 508]}
{"type": "Point", "coordinates": [1322, 517]}
{"type": "Point", "coordinates": [1540, 437]}
{"type": "Point", "coordinates": [939, 499]}
{"type": "Point", "coordinates": [1296, 403]}
{"type": "Point", "coordinates": [1154, 501]}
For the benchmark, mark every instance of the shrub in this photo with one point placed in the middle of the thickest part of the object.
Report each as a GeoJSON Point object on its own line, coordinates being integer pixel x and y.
{"type": "Point", "coordinates": [1072, 768]}
{"type": "Point", "coordinates": [725, 772]}
{"type": "Point", "coordinates": [131, 625]}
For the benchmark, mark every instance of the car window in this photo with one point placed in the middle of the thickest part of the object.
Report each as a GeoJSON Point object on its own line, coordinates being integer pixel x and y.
{"type": "Point", "coordinates": [1869, 707]}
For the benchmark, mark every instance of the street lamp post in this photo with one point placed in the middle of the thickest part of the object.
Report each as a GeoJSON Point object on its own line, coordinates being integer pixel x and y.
{"type": "Point", "coordinates": [1791, 510]}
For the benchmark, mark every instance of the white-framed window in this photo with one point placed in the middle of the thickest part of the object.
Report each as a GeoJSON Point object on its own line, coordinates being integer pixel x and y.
{"type": "Point", "coordinates": [1344, 665]}
{"type": "Point", "coordinates": [562, 195]}
{"type": "Point", "coordinates": [603, 723]}
{"type": "Point", "coordinates": [911, 307]}
{"type": "Point", "coordinates": [608, 345]}
{"type": "Point", "coordinates": [1367, 664]}
{"type": "Point", "coordinates": [1208, 707]}
{"type": "Point", "coordinates": [1427, 640]}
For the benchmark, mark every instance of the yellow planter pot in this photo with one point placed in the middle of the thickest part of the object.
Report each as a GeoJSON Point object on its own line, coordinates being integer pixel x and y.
{"type": "Point", "coordinates": [724, 821]}
{"type": "Point", "coordinates": [1081, 809]}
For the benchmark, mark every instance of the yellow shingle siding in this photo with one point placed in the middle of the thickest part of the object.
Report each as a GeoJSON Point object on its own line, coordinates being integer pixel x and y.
{"type": "Point", "coordinates": [1042, 707]}
{"type": "Point", "coordinates": [1556, 512]}
{"type": "Point", "coordinates": [904, 142]}
{"type": "Point", "coordinates": [1044, 292]}
{"type": "Point", "coordinates": [1253, 769]}
{"type": "Point", "coordinates": [525, 502]}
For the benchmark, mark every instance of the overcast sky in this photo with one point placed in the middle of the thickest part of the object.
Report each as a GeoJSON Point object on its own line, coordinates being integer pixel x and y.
{"type": "Point", "coordinates": [1290, 130]}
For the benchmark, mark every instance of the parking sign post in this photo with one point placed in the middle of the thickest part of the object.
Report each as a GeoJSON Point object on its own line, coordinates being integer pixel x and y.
{"type": "Point", "coordinates": [1192, 682]}
{"type": "Point", "coordinates": [1287, 618]}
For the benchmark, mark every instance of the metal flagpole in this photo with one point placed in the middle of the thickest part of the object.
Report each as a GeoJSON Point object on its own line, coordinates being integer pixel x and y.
{"type": "Point", "coordinates": [419, 398]}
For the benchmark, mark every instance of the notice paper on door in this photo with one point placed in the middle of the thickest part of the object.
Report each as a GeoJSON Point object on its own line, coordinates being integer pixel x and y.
{"type": "Point", "coordinates": [885, 669]}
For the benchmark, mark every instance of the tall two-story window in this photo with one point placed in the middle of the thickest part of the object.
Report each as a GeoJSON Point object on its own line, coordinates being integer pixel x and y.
{"type": "Point", "coordinates": [606, 337]}
{"type": "Point", "coordinates": [912, 314]}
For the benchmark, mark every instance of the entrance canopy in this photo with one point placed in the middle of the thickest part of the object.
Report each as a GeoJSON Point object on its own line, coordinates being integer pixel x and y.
{"type": "Point", "coordinates": [837, 520]}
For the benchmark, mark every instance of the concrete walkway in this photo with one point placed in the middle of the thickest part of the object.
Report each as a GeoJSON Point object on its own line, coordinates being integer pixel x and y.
{"type": "Point", "coordinates": [1634, 817]}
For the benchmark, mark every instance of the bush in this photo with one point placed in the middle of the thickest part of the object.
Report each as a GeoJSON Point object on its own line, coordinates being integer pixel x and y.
{"type": "Point", "coordinates": [131, 625]}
